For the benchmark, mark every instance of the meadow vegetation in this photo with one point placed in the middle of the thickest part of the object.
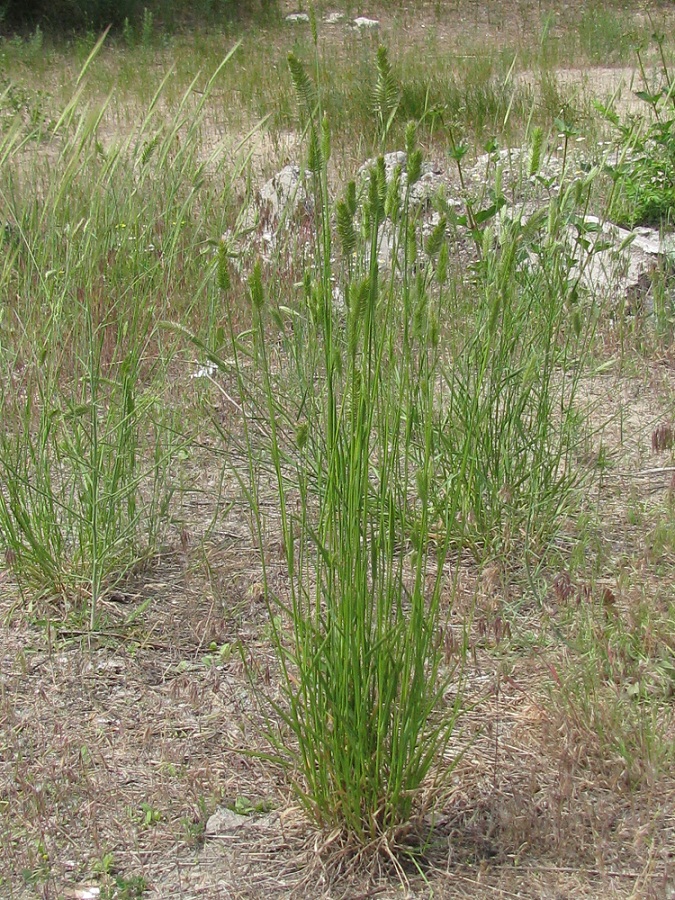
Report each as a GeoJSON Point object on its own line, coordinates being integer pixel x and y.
{"type": "Point", "coordinates": [378, 551]}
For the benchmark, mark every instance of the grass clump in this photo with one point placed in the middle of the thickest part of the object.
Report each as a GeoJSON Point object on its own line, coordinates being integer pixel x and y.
{"type": "Point", "coordinates": [73, 513]}
{"type": "Point", "coordinates": [615, 688]}
{"type": "Point", "coordinates": [383, 449]}
{"type": "Point", "coordinates": [513, 384]}
{"type": "Point", "coordinates": [85, 373]}
{"type": "Point", "coordinates": [351, 451]}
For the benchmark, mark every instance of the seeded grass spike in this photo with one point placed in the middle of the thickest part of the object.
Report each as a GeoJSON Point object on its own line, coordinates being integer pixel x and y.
{"type": "Point", "coordinates": [386, 95]}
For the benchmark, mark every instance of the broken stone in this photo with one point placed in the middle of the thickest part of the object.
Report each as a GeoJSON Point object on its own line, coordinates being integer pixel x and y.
{"type": "Point", "coordinates": [294, 18]}
{"type": "Point", "coordinates": [206, 371]}
{"type": "Point", "coordinates": [278, 201]}
{"type": "Point", "coordinates": [281, 196]}
{"type": "Point", "coordinates": [113, 664]}
{"type": "Point", "coordinates": [82, 892]}
{"type": "Point", "coordinates": [265, 224]}
{"type": "Point", "coordinates": [429, 185]}
{"type": "Point", "coordinates": [611, 262]}
{"type": "Point", "coordinates": [431, 181]}
{"type": "Point", "coordinates": [391, 160]}
{"type": "Point", "coordinates": [364, 22]}
{"type": "Point", "coordinates": [224, 821]}
{"type": "Point", "coordinates": [623, 271]}
{"type": "Point", "coordinates": [516, 183]}
{"type": "Point", "coordinates": [334, 18]}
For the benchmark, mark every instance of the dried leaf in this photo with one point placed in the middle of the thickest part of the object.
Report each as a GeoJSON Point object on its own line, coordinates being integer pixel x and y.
{"type": "Point", "coordinates": [609, 601]}
{"type": "Point", "coordinates": [562, 585]}
{"type": "Point", "coordinates": [662, 438]}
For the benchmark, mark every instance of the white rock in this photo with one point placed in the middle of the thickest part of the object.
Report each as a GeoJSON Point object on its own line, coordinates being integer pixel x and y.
{"type": "Point", "coordinates": [113, 664]}
{"type": "Point", "coordinates": [339, 304]}
{"type": "Point", "coordinates": [431, 181]}
{"type": "Point", "coordinates": [297, 17]}
{"type": "Point", "coordinates": [225, 821]}
{"type": "Point", "coordinates": [625, 268]}
{"type": "Point", "coordinates": [281, 195]}
{"type": "Point", "coordinates": [207, 371]}
{"type": "Point", "coordinates": [429, 184]}
{"type": "Point", "coordinates": [363, 22]}
{"type": "Point", "coordinates": [83, 892]}
{"type": "Point", "coordinates": [619, 269]}
{"type": "Point", "coordinates": [334, 18]}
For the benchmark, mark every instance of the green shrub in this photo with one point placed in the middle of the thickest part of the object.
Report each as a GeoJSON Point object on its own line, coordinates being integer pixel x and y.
{"type": "Point", "coordinates": [644, 173]}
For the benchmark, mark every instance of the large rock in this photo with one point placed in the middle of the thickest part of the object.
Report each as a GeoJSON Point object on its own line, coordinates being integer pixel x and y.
{"type": "Point", "coordinates": [281, 197]}
{"type": "Point", "coordinates": [432, 183]}
{"type": "Point", "coordinates": [273, 209]}
{"type": "Point", "coordinates": [432, 180]}
{"type": "Point", "coordinates": [621, 268]}
{"type": "Point", "coordinates": [612, 263]}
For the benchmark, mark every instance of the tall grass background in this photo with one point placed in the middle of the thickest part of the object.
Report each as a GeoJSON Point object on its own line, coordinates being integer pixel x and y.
{"type": "Point", "coordinates": [103, 239]}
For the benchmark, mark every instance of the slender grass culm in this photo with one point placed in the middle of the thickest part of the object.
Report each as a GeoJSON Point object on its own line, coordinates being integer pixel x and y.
{"type": "Point", "coordinates": [339, 427]}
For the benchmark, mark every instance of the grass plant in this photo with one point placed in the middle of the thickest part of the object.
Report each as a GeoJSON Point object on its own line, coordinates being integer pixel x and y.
{"type": "Point", "coordinates": [615, 688]}
{"type": "Point", "coordinates": [96, 249]}
{"type": "Point", "coordinates": [382, 454]}
{"type": "Point", "coordinates": [513, 379]}
{"type": "Point", "coordinates": [356, 625]}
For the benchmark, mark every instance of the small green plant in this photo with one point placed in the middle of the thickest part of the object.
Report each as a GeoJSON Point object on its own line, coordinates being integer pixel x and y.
{"type": "Point", "coordinates": [72, 514]}
{"type": "Point", "coordinates": [149, 816]}
{"type": "Point", "coordinates": [105, 865]}
{"type": "Point", "coordinates": [218, 655]}
{"type": "Point", "coordinates": [244, 807]}
{"type": "Point", "coordinates": [128, 34]}
{"type": "Point", "coordinates": [194, 831]}
{"type": "Point", "coordinates": [644, 174]}
{"type": "Point", "coordinates": [147, 28]}
{"type": "Point", "coordinates": [121, 887]}
{"type": "Point", "coordinates": [40, 871]}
